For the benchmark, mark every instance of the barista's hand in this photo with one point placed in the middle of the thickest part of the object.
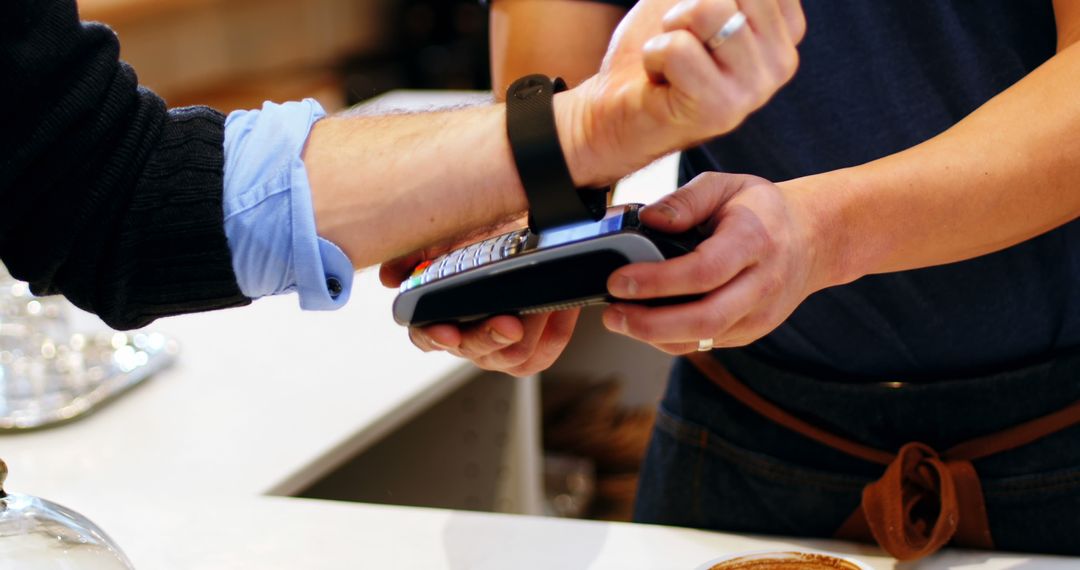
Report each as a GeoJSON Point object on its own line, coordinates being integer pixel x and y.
{"type": "Point", "coordinates": [661, 88]}
{"type": "Point", "coordinates": [518, 346]}
{"type": "Point", "coordinates": [762, 259]}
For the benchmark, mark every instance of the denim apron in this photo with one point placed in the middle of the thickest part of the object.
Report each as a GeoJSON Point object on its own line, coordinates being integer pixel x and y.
{"type": "Point", "coordinates": [715, 463]}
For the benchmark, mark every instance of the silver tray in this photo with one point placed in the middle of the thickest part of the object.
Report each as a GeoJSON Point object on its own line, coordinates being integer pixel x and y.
{"type": "Point", "coordinates": [50, 375]}
{"type": "Point", "coordinates": [68, 380]}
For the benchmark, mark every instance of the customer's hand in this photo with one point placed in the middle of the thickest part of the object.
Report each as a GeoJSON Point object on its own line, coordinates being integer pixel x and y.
{"type": "Point", "coordinates": [516, 345]}
{"type": "Point", "coordinates": [520, 346]}
{"type": "Point", "coordinates": [761, 260]}
{"type": "Point", "coordinates": [661, 88]}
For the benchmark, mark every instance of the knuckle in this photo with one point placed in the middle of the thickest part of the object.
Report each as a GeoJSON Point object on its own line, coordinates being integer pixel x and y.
{"type": "Point", "coordinates": [771, 82]}
{"type": "Point", "coordinates": [789, 62]}
{"type": "Point", "coordinates": [769, 286]}
{"type": "Point", "coordinates": [747, 253]}
{"type": "Point", "coordinates": [513, 355]}
{"type": "Point", "coordinates": [529, 368]}
{"type": "Point", "coordinates": [706, 271]}
{"type": "Point", "coordinates": [764, 88]}
{"type": "Point", "coordinates": [748, 180]}
{"type": "Point", "coordinates": [741, 100]}
{"type": "Point", "coordinates": [683, 200]}
{"type": "Point", "coordinates": [640, 328]}
{"type": "Point", "coordinates": [682, 43]}
{"type": "Point", "coordinates": [710, 322]}
{"type": "Point", "coordinates": [798, 25]}
{"type": "Point", "coordinates": [552, 349]}
{"type": "Point", "coordinates": [699, 15]}
{"type": "Point", "coordinates": [757, 241]}
{"type": "Point", "coordinates": [753, 322]}
{"type": "Point", "coordinates": [474, 347]}
{"type": "Point", "coordinates": [711, 177]}
{"type": "Point", "coordinates": [766, 245]}
{"type": "Point", "coordinates": [717, 268]}
{"type": "Point", "coordinates": [541, 363]}
{"type": "Point", "coordinates": [782, 68]}
{"type": "Point", "coordinates": [469, 353]}
{"type": "Point", "coordinates": [519, 372]}
{"type": "Point", "coordinates": [487, 364]}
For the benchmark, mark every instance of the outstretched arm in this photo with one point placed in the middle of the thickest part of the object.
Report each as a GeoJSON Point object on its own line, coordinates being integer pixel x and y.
{"type": "Point", "coordinates": [117, 203]}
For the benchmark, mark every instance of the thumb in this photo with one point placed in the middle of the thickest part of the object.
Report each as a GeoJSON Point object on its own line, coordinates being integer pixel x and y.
{"type": "Point", "coordinates": [692, 204]}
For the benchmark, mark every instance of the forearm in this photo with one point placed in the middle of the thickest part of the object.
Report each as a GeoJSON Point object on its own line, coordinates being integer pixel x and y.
{"type": "Point", "coordinates": [1004, 174]}
{"type": "Point", "coordinates": [385, 186]}
{"type": "Point", "coordinates": [458, 174]}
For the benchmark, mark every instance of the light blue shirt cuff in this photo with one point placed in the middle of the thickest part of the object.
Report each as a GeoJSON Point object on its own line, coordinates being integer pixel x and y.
{"type": "Point", "coordinates": [269, 218]}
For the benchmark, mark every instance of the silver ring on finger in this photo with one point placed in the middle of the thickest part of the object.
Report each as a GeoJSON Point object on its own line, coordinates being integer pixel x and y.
{"type": "Point", "coordinates": [731, 27]}
{"type": "Point", "coordinates": [705, 345]}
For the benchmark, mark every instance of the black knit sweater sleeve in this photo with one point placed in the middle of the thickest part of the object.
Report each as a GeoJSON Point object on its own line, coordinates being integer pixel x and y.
{"type": "Point", "coordinates": [106, 197]}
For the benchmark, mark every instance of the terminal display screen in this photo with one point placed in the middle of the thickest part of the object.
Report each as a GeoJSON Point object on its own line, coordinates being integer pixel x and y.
{"type": "Point", "coordinates": [580, 231]}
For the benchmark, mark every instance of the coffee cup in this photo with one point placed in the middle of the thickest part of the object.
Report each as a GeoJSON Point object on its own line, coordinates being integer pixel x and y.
{"type": "Point", "coordinates": [784, 560]}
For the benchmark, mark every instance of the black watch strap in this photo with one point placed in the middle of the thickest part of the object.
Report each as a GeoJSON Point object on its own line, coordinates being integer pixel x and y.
{"type": "Point", "coordinates": [530, 125]}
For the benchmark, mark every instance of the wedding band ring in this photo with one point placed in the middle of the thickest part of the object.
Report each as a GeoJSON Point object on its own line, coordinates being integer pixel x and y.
{"type": "Point", "coordinates": [704, 345]}
{"type": "Point", "coordinates": [730, 28]}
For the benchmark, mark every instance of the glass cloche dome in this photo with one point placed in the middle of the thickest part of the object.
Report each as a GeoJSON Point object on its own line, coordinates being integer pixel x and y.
{"type": "Point", "coordinates": [36, 534]}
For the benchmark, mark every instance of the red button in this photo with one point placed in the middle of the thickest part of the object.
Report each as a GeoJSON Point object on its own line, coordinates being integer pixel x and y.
{"type": "Point", "coordinates": [420, 268]}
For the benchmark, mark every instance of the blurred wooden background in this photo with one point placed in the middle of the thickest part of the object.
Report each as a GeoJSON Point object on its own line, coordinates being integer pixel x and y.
{"type": "Point", "coordinates": [233, 54]}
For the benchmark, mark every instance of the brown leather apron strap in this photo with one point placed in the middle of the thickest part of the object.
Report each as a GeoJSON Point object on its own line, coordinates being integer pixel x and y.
{"type": "Point", "coordinates": [919, 505]}
{"type": "Point", "coordinates": [924, 499]}
{"type": "Point", "coordinates": [720, 376]}
{"type": "Point", "coordinates": [1018, 435]}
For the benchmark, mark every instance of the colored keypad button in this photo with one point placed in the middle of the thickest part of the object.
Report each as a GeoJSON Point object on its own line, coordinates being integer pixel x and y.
{"type": "Point", "coordinates": [419, 269]}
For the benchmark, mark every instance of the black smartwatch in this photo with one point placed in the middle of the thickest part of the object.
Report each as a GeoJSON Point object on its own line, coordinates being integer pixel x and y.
{"type": "Point", "coordinates": [530, 124]}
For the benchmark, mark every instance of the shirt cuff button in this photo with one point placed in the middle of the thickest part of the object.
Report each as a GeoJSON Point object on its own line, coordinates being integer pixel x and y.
{"type": "Point", "coordinates": [333, 285]}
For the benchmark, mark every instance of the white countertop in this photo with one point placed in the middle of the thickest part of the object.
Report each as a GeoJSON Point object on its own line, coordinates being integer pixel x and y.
{"type": "Point", "coordinates": [263, 399]}
{"type": "Point", "coordinates": [193, 533]}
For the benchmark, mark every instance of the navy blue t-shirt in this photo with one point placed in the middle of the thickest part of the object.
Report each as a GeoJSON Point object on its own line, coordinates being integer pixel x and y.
{"type": "Point", "coordinates": [876, 78]}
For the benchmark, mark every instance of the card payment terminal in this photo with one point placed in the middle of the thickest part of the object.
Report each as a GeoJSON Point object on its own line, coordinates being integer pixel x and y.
{"type": "Point", "coordinates": [521, 272]}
